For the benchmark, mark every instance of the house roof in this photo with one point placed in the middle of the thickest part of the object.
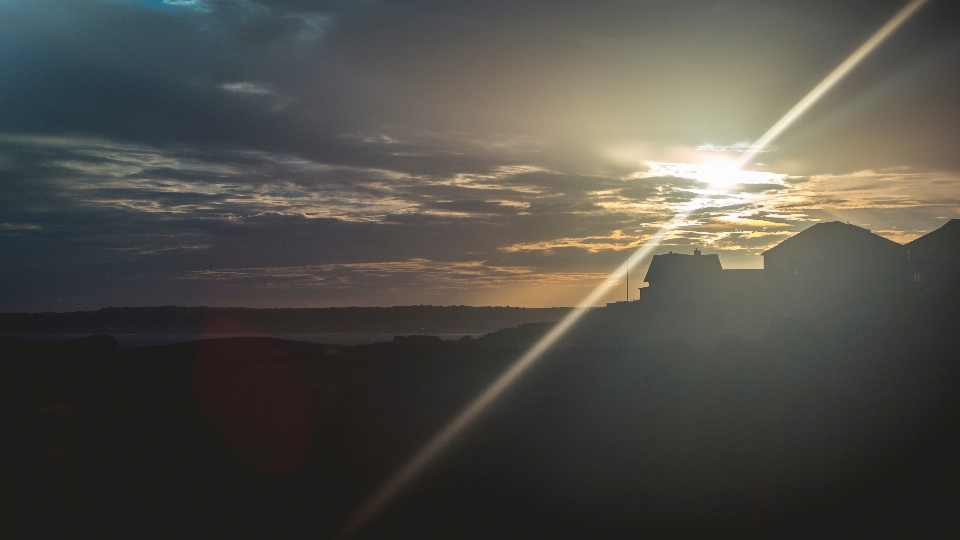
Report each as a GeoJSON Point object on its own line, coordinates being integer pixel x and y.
{"type": "Point", "coordinates": [678, 266]}
{"type": "Point", "coordinates": [834, 234]}
{"type": "Point", "coordinates": [946, 239]}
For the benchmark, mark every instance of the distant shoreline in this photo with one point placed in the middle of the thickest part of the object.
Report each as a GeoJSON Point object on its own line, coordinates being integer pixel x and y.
{"type": "Point", "coordinates": [335, 321]}
{"type": "Point", "coordinates": [137, 340]}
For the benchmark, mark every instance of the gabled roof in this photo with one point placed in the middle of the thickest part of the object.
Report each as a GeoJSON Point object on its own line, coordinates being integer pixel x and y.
{"type": "Point", "coordinates": [835, 234]}
{"type": "Point", "coordinates": [943, 240]}
{"type": "Point", "coordinates": [677, 266]}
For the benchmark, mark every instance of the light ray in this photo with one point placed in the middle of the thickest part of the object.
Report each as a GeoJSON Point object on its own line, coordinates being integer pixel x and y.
{"type": "Point", "coordinates": [453, 428]}
{"type": "Point", "coordinates": [830, 81]}
{"type": "Point", "coordinates": [412, 468]}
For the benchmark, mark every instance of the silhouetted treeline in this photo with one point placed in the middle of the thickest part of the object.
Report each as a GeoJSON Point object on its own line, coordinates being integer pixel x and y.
{"type": "Point", "coordinates": [198, 320]}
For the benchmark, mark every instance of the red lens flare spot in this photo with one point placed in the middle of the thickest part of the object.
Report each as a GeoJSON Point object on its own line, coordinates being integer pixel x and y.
{"type": "Point", "coordinates": [248, 392]}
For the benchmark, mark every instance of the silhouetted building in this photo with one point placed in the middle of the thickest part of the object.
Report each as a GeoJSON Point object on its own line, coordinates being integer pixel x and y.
{"type": "Point", "coordinates": [694, 297]}
{"type": "Point", "coordinates": [830, 269]}
{"type": "Point", "coordinates": [934, 258]}
{"type": "Point", "coordinates": [833, 265]}
{"type": "Point", "coordinates": [744, 281]}
{"type": "Point", "coordinates": [676, 273]}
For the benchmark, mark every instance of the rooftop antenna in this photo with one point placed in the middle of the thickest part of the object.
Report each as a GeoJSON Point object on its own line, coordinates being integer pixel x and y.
{"type": "Point", "coordinates": [628, 284]}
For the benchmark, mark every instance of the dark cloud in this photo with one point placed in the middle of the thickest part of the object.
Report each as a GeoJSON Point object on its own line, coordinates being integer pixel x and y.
{"type": "Point", "coordinates": [231, 152]}
{"type": "Point", "coordinates": [681, 70]}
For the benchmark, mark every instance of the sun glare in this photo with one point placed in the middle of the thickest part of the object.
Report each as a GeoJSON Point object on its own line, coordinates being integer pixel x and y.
{"type": "Point", "coordinates": [720, 173]}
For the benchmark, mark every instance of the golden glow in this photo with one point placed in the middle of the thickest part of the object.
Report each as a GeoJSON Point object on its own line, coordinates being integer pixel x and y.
{"type": "Point", "coordinates": [719, 173]}
{"type": "Point", "coordinates": [441, 440]}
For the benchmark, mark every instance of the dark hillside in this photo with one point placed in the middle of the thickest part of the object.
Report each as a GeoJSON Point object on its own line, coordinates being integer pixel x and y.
{"type": "Point", "coordinates": [812, 431]}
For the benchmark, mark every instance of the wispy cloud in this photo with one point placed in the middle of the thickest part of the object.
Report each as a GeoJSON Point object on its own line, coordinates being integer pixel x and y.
{"type": "Point", "coordinates": [257, 89]}
{"type": "Point", "coordinates": [506, 228]}
{"type": "Point", "coordinates": [738, 147]}
{"type": "Point", "coordinates": [19, 227]}
{"type": "Point", "coordinates": [463, 275]}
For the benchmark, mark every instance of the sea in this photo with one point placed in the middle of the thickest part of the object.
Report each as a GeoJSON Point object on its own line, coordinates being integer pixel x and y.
{"type": "Point", "coordinates": [133, 341]}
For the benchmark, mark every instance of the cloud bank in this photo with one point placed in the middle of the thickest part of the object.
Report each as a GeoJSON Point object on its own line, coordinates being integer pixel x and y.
{"type": "Point", "coordinates": [296, 153]}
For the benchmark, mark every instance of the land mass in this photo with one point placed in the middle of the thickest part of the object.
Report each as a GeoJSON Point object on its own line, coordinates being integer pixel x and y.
{"type": "Point", "coordinates": [817, 399]}
{"type": "Point", "coordinates": [811, 430]}
{"type": "Point", "coordinates": [333, 320]}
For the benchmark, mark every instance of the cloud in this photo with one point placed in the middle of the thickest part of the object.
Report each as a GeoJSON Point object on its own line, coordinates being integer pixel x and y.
{"type": "Point", "coordinates": [247, 88]}
{"type": "Point", "coordinates": [454, 275]}
{"type": "Point", "coordinates": [19, 227]}
{"type": "Point", "coordinates": [214, 214]}
{"type": "Point", "coordinates": [199, 5]}
{"type": "Point", "coordinates": [738, 147]}
{"type": "Point", "coordinates": [870, 189]}
{"type": "Point", "coordinates": [148, 141]}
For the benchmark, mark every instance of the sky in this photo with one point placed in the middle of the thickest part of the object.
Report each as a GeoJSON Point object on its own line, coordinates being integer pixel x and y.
{"type": "Point", "coordinates": [291, 153]}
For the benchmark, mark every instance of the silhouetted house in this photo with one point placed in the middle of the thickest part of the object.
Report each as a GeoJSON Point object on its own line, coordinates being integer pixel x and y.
{"type": "Point", "coordinates": [830, 269]}
{"type": "Point", "coordinates": [833, 265]}
{"type": "Point", "coordinates": [934, 258]}
{"type": "Point", "coordinates": [743, 281]}
{"type": "Point", "coordinates": [693, 297]}
{"type": "Point", "coordinates": [680, 274]}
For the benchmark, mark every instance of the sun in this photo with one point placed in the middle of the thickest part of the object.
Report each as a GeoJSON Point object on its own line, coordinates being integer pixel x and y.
{"type": "Point", "coordinates": [720, 173]}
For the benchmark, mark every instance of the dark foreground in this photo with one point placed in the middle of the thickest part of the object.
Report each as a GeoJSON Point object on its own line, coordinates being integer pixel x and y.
{"type": "Point", "coordinates": [852, 429]}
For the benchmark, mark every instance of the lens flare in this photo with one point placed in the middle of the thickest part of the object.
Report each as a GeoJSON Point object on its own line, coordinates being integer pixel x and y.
{"type": "Point", "coordinates": [830, 81]}
{"type": "Point", "coordinates": [723, 174]}
{"type": "Point", "coordinates": [720, 173]}
{"type": "Point", "coordinates": [463, 419]}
